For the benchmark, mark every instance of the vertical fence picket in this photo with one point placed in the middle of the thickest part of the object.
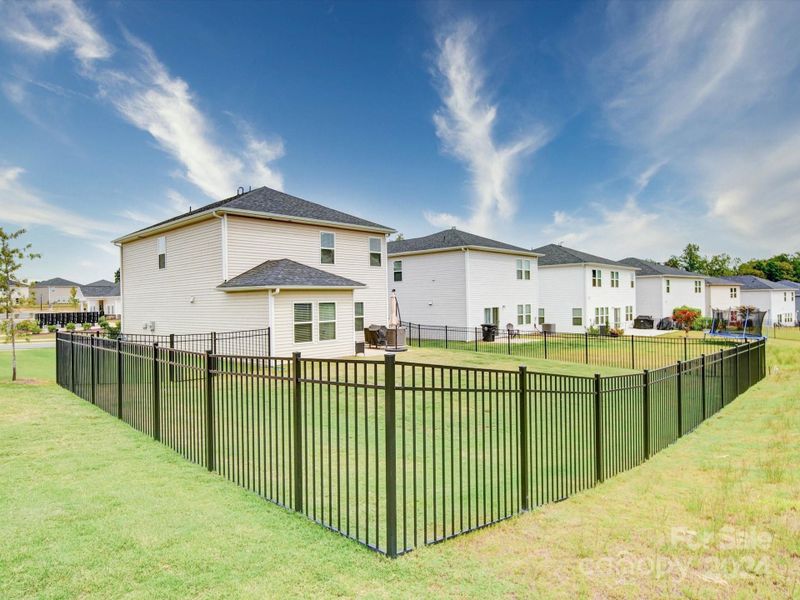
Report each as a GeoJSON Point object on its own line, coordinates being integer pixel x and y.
{"type": "Point", "coordinates": [391, 455]}
{"type": "Point", "coordinates": [92, 370]}
{"type": "Point", "coordinates": [598, 428]}
{"type": "Point", "coordinates": [156, 396]}
{"type": "Point", "coordinates": [523, 439]}
{"type": "Point", "coordinates": [646, 413]}
{"type": "Point", "coordinates": [209, 364]}
{"type": "Point", "coordinates": [679, 394]}
{"type": "Point", "coordinates": [120, 375]}
{"type": "Point", "coordinates": [297, 432]}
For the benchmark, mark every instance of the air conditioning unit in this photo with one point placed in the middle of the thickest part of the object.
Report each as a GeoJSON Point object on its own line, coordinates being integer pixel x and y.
{"type": "Point", "coordinates": [549, 327]}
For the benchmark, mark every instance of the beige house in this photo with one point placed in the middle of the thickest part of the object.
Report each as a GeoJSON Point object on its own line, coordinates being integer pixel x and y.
{"type": "Point", "coordinates": [55, 291]}
{"type": "Point", "coordinates": [316, 276]}
{"type": "Point", "coordinates": [101, 296]}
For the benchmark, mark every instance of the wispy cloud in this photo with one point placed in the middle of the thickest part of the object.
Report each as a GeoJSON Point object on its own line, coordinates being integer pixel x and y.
{"type": "Point", "coordinates": [466, 123]}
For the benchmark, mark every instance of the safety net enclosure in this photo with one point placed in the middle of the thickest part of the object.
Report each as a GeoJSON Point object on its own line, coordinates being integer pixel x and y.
{"type": "Point", "coordinates": [744, 322]}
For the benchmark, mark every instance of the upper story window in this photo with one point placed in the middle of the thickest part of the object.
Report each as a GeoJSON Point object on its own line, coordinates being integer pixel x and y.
{"type": "Point", "coordinates": [614, 279]}
{"type": "Point", "coordinates": [734, 293]}
{"type": "Point", "coordinates": [698, 286]}
{"type": "Point", "coordinates": [162, 252]}
{"type": "Point", "coordinates": [597, 278]}
{"type": "Point", "coordinates": [327, 245]}
{"type": "Point", "coordinates": [523, 269]}
{"type": "Point", "coordinates": [374, 252]}
{"type": "Point", "coordinates": [668, 286]}
{"type": "Point", "coordinates": [397, 267]}
{"type": "Point", "coordinates": [633, 280]}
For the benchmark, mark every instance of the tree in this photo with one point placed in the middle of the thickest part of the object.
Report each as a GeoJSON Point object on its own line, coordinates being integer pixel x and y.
{"type": "Point", "coordinates": [31, 299]}
{"type": "Point", "coordinates": [116, 276]}
{"type": "Point", "coordinates": [11, 259]}
{"type": "Point", "coordinates": [721, 265]}
{"type": "Point", "coordinates": [690, 260]}
{"type": "Point", "coordinates": [685, 316]}
{"type": "Point", "coordinates": [73, 296]}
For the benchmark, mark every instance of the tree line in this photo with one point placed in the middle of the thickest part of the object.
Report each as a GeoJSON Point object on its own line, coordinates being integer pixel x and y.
{"type": "Point", "coordinates": [775, 268]}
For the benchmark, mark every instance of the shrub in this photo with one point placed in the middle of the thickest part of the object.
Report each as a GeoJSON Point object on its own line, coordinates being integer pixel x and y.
{"type": "Point", "coordinates": [29, 326]}
{"type": "Point", "coordinates": [52, 328]}
{"type": "Point", "coordinates": [593, 330]}
{"type": "Point", "coordinates": [70, 327]}
{"type": "Point", "coordinates": [86, 326]}
{"type": "Point", "coordinates": [616, 332]}
{"type": "Point", "coordinates": [702, 323]}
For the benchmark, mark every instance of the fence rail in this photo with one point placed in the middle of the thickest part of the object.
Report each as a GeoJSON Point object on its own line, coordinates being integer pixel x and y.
{"type": "Point", "coordinates": [627, 352]}
{"type": "Point", "coordinates": [399, 455]}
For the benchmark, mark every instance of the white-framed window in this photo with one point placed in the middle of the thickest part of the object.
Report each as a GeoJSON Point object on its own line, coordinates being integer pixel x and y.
{"type": "Point", "coordinates": [491, 315]}
{"type": "Point", "coordinates": [523, 268]}
{"type": "Point", "coordinates": [374, 252]}
{"type": "Point", "coordinates": [303, 323]}
{"type": "Point", "coordinates": [541, 316]}
{"type": "Point", "coordinates": [162, 252]}
{"type": "Point", "coordinates": [577, 317]}
{"type": "Point", "coordinates": [358, 311]}
{"type": "Point", "coordinates": [734, 293]}
{"type": "Point", "coordinates": [668, 286]}
{"type": "Point", "coordinates": [601, 315]}
{"type": "Point", "coordinates": [785, 296]}
{"type": "Point", "coordinates": [597, 278]}
{"type": "Point", "coordinates": [523, 314]}
{"type": "Point", "coordinates": [633, 280]}
{"type": "Point", "coordinates": [327, 321]}
{"type": "Point", "coordinates": [629, 313]}
{"type": "Point", "coordinates": [698, 286]}
{"type": "Point", "coordinates": [614, 279]}
{"type": "Point", "coordinates": [327, 248]}
{"type": "Point", "coordinates": [397, 267]}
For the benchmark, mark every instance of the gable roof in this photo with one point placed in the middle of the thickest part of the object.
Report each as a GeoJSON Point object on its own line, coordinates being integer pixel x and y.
{"type": "Point", "coordinates": [554, 255]}
{"type": "Point", "coordinates": [452, 238]}
{"type": "Point", "coordinates": [57, 282]}
{"type": "Point", "coordinates": [267, 202]}
{"type": "Point", "coordinates": [285, 273]}
{"type": "Point", "coordinates": [650, 268]}
{"type": "Point", "coordinates": [721, 281]}
{"type": "Point", "coordinates": [100, 289]}
{"type": "Point", "coordinates": [792, 284]}
{"type": "Point", "coordinates": [751, 282]}
{"type": "Point", "coordinates": [101, 283]}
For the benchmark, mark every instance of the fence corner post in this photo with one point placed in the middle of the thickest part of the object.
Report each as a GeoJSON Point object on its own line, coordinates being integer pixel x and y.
{"type": "Point", "coordinates": [721, 379]}
{"type": "Point", "coordinates": [476, 339]}
{"type": "Point", "coordinates": [685, 347]}
{"type": "Point", "coordinates": [92, 368]}
{"type": "Point", "coordinates": [297, 432]}
{"type": "Point", "coordinates": [119, 378]}
{"type": "Point", "coordinates": [523, 439]}
{"type": "Point", "coordinates": [156, 396]}
{"type": "Point", "coordinates": [586, 345]}
{"type": "Point", "coordinates": [391, 455]}
{"type": "Point", "coordinates": [210, 366]}
{"type": "Point", "coordinates": [703, 383]}
{"type": "Point", "coordinates": [446, 341]}
{"type": "Point", "coordinates": [171, 360]}
{"type": "Point", "coordinates": [598, 428]}
{"type": "Point", "coordinates": [679, 386]}
{"type": "Point", "coordinates": [633, 351]}
{"type": "Point", "coordinates": [646, 412]}
{"type": "Point", "coordinates": [544, 335]}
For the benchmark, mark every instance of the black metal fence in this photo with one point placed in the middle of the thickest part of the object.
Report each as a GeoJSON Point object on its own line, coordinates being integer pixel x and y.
{"type": "Point", "coordinates": [627, 351]}
{"type": "Point", "coordinates": [60, 319]}
{"type": "Point", "coordinates": [398, 455]}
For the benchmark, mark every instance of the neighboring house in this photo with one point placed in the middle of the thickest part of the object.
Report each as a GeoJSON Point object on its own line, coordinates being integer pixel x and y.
{"type": "Point", "coordinates": [796, 287]}
{"type": "Point", "coordinates": [101, 296]}
{"type": "Point", "coordinates": [776, 298]}
{"type": "Point", "coordinates": [460, 279]}
{"type": "Point", "coordinates": [19, 291]}
{"type": "Point", "coordinates": [579, 290]}
{"type": "Point", "coordinates": [722, 294]}
{"type": "Point", "coordinates": [316, 276]}
{"type": "Point", "coordinates": [660, 289]}
{"type": "Point", "coordinates": [55, 291]}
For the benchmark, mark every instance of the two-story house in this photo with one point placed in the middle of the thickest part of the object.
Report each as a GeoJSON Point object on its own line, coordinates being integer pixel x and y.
{"type": "Point", "coordinates": [315, 275]}
{"type": "Point", "coordinates": [722, 294]}
{"type": "Point", "coordinates": [578, 290]}
{"type": "Point", "coordinates": [777, 299]}
{"type": "Point", "coordinates": [796, 287]}
{"type": "Point", "coordinates": [660, 289]}
{"type": "Point", "coordinates": [460, 279]}
{"type": "Point", "coordinates": [56, 291]}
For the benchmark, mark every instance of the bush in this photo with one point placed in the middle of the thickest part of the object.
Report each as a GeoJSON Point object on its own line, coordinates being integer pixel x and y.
{"type": "Point", "coordinates": [29, 326]}
{"type": "Point", "coordinates": [86, 326]}
{"type": "Point", "coordinates": [593, 330]}
{"type": "Point", "coordinates": [70, 327]}
{"type": "Point", "coordinates": [702, 323]}
{"type": "Point", "coordinates": [52, 328]}
{"type": "Point", "coordinates": [102, 321]}
{"type": "Point", "coordinates": [616, 332]}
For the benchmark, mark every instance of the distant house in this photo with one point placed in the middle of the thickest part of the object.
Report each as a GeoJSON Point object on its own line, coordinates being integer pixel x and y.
{"type": "Point", "coordinates": [777, 299]}
{"type": "Point", "coordinates": [101, 296]}
{"type": "Point", "coordinates": [55, 291]}
{"type": "Point", "coordinates": [460, 279]}
{"type": "Point", "coordinates": [578, 290]}
{"type": "Point", "coordinates": [796, 287]}
{"type": "Point", "coordinates": [722, 294]}
{"type": "Point", "coordinates": [19, 291]}
{"type": "Point", "coordinates": [315, 275]}
{"type": "Point", "coordinates": [660, 289]}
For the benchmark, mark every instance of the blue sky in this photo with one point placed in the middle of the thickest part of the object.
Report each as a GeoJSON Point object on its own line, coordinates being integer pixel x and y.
{"type": "Point", "coordinates": [618, 128]}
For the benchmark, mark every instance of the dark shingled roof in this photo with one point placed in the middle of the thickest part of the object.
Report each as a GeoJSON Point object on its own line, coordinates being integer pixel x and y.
{"type": "Point", "coordinates": [268, 201]}
{"type": "Point", "coordinates": [791, 284]}
{"type": "Point", "coordinates": [561, 255]}
{"type": "Point", "coordinates": [100, 289]}
{"type": "Point", "coordinates": [751, 282]}
{"type": "Point", "coordinates": [649, 267]}
{"type": "Point", "coordinates": [720, 281]}
{"type": "Point", "coordinates": [287, 273]}
{"type": "Point", "coordinates": [449, 238]}
{"type": "Point", "coordinates": [57, 282]}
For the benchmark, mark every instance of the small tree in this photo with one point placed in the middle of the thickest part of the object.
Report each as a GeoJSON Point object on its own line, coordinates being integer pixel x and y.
{"type": "Point", "coordinates": [30, 301]}
{"type": "Point", "coordinates": [685, 316]}
{"type": "Point", "coordinates": [73, 296]}
{"type": "Point", "coordinates": [116, 276]}
{"type": "Point", "coordinates": [11, 259]}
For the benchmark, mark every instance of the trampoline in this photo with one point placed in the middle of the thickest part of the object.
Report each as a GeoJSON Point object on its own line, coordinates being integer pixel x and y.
{"type": "Point", "coordinates": [743, 323]}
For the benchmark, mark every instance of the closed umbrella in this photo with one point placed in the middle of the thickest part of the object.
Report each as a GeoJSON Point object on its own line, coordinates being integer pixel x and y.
{"type": "Point", "coordinates": [394, 323]}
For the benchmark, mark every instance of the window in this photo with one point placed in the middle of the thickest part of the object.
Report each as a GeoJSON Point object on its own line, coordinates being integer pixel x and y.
{"type": "Point", "coordinates": [734, 293]}
{"type": "Point", "coordinates": [523, 269]}
{"type": "Point", "coordinates": [358, 311]}
{"type": "Point", "coordinates": [785, 296]}
{"type": "Point", "coordinates": [398, 270]}
{"type": "Point", "coordinates": [491, 315]}
{"type": "Point", "coordinates": [523, 314]}
{"type": "Point", "coordinates": [374, 252]}
{"type": "Point", "coordinates": [327, 321]}
{"type": "Point", "coordinates": [302, 323]}
{"type": "Point", "coordinates": [601, 315]}
{"type": "Point", "coordinates": [633, 280]}
{"type": "Point", "coordinates": [577, 317]}
{"type": "Point", "coordinates": [698, 286]}
{"type": "Point", "coordinates": [614, 279]}
{"type": "Point", "coordinates": [541, 316]}
{"type": "Point", "coordinates": [597, 278]}
{"type": "Point", "coordinates": [162, 252]}
{"type": "Point", "coordinates": [668, 286]}
{"type": "Point", "coordinates": [327, 244]}
{"type": "Point", "coordinates": [629, 313]}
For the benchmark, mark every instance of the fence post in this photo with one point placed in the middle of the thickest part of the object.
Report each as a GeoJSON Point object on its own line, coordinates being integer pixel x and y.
{"type": "Point", "coordinates": [72, 361]}
{"type": "Point", "coordinates": [119, 378]}
{"type": "Point", "coordinates": [721, 378]}
{"type": "Point", "coordinates": [156, 396]}
{"type": "Point", "coordinates": [544, 334]}
{"type": "Point", "coordinates": [445, 337]}
{"type": "Point", "coordinates": [736, 371]}
{"type": "Point", "coordinates": [703, 382]}
{"type": "Point", "coordinates": [213, 342]}
{"type": "Point", "coordinates": [171, 355]}
{"type": "Point", "coordinates": [749, 369]}
{"type": "Point", "coordinates": [92, 368]}
{"type": "Point", "coordinates": [391, 455]}
{"type": "Point", "coordinates": [210, 365]}
{"type": "Point", "coordinates": [297, 432]}
{"type": "Point", "coordinates": [419, 335]}
{"type": "Point", "coordinates": [598, 427]}
{"type": "Point", "coordinates": [523, 438]}
{"type": "Point", "coordinates": [646, 412]}
{"type": "Point", "coordinates": [586, 345]}
{"type": "Point", "coordinates": [633, 352]}
{"type": "Point", "coordinates": [680, 398]}
{"type": "Point", "coordinates": [476, 339]}
{"type": "Point", "coordinates": [685, 348]}
{"type": "Point", "coordinates": [508, 342]}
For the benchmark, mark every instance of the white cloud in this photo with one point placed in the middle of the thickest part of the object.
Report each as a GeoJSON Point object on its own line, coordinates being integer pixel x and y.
{"type": "Point", "coordinates": [466, 126]}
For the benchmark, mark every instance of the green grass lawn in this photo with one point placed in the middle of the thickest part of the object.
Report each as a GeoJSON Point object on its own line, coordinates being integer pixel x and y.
{"type": "Point", "coordinates": [93, 508]}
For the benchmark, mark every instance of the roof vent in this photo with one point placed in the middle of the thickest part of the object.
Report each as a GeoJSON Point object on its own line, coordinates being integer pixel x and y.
{"type": "Point", "coordinates": [240, 190]}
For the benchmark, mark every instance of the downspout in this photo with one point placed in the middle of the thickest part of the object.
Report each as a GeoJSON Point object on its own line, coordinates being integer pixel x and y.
{"type": "Point", "coordinates": [271, 317]}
